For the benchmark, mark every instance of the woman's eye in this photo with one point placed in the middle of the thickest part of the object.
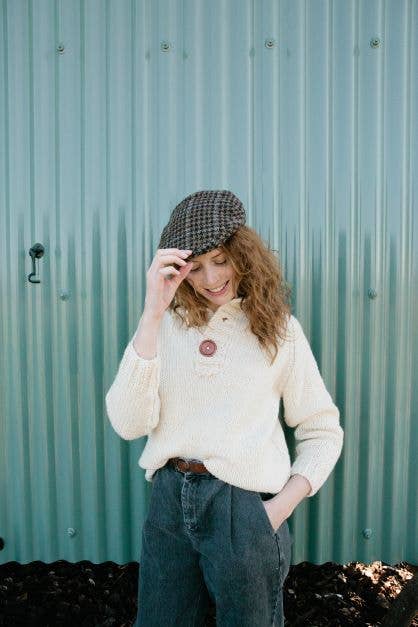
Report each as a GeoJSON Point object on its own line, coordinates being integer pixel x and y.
{"type": "Point", "coordinates": [220, 263]}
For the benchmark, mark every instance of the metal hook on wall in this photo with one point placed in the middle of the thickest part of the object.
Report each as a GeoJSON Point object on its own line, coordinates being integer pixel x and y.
{"type": "Point", "coordinates": [36, 252]}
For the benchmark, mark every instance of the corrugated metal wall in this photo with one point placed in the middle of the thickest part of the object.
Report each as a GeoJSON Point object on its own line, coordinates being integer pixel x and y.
{"type": "Point", "coordinates": [110, 113]}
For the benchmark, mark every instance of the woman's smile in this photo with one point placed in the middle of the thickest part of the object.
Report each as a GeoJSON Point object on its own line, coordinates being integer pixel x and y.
{"type": "Point", "coordinates": [219, 292]}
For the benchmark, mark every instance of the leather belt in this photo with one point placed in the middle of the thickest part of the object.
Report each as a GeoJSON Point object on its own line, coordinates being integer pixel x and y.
{"type": "Point", "coordinates": [183, 465]}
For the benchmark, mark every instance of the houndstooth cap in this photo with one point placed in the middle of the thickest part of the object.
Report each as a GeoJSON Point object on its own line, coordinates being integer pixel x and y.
{"type": "Point", "coordinates": [202, 221]}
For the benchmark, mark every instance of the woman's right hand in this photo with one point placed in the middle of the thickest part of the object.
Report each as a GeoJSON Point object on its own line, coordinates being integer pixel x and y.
{"type": "Point", "coordinates": [163, 278]}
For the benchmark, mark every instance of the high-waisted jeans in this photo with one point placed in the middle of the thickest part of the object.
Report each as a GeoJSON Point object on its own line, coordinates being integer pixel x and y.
{"type": "Point", "coordinates": [205, 539]}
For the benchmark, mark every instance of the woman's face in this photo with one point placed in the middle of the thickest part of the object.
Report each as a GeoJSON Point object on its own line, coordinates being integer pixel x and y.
{"type": "Point", "coordinates": [210, 271]}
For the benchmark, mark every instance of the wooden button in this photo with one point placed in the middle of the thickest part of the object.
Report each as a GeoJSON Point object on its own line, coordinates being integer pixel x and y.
{"type": "Point", "coordinates": [207, 347]}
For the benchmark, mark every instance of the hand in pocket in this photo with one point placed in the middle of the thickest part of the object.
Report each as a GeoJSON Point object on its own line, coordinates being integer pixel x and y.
{"type": "Point", "coordinates": [276, 511]}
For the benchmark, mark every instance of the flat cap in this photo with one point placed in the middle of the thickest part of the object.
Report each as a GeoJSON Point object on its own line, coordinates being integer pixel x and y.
{"type": "Point", "coordinates": [202, 221]}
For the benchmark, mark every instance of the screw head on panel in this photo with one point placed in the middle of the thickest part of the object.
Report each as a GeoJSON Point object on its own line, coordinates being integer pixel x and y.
{"type": "Point", "coordinates": [375, 42]}
{"type": "Point", "coordinates": [269, 42]}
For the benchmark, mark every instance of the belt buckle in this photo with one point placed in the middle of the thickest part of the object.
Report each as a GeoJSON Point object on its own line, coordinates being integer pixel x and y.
{"type": "Point", "coordinates": [185, 461]}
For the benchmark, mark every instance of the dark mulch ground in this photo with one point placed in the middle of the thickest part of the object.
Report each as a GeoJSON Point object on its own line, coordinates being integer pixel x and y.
{"type": "Point", "coordinates": [87, 594]}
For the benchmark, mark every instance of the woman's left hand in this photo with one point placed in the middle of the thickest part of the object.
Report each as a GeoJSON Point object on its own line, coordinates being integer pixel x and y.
{"type": "Point", "coordinates": [280, 506]}
{"type": "Point", "coordinates": [277, 511]}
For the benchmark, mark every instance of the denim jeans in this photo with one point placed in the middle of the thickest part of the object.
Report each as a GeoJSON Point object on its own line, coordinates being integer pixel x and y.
{"type": "Point", "coordinates": [205, 539]}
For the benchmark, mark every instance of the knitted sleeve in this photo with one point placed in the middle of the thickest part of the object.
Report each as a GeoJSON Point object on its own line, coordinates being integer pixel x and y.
{"type": "Point", "coordinates": [309, 407]}
{"type": "Point", "coordinates": [133, 402]}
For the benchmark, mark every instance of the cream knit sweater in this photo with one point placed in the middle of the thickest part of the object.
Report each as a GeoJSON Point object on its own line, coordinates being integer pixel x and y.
{"type": "Point", "coordinates": [223, 409]}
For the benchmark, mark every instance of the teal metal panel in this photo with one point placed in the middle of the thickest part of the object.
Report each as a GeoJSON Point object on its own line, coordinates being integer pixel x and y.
{"type": "Point", "coordinates": [110, 113]}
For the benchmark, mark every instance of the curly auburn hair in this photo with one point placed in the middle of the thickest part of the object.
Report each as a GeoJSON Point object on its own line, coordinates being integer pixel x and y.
{"type": "Point", "coordinates": [261, 284]}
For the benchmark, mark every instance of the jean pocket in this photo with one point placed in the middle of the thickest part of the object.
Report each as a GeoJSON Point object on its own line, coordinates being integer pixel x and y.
{"type": "Point", "coordinates": [265, 515]}
{"type": "Point", "coordinates": [154, 476]}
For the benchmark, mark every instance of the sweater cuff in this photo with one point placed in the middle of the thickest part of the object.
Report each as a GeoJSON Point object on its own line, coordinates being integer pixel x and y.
{"type": "Point", "coordinates": [316, 465]}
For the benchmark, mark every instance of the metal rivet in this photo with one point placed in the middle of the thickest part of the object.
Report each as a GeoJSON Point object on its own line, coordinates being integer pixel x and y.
{"type": "Point", "coordinates": [71, 531]}
{"type": "Point", "coordinates": [165, 45]}
{"type": "Point", "coordinates": [269, 43]}
{"type": "Point", "coordinates": [375, 42]}
{"type": "Point", "coordinates": [64, 295]}
{"type": "Point", "coordinates": [60, 48]}
{"type": "Point", "coordinates": [367, 533]}
{"type": "Point", "coordinates": [372, 293]}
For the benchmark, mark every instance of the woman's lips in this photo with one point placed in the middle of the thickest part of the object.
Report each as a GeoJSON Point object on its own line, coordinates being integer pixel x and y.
{"type": "Point", "coordinates": [219, 293]}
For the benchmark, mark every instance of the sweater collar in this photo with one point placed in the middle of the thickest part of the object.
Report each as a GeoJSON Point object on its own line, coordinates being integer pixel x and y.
{"type": "Point", "coordinates": [230, 309]}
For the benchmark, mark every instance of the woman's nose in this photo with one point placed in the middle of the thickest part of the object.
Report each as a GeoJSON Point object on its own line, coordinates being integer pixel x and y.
{"type": "Point", "coordinates": [211, 279]}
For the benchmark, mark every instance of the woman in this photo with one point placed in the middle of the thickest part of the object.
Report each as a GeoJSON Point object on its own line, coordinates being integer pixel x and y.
{"type": "Point", "coordinates": [215, 351]}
